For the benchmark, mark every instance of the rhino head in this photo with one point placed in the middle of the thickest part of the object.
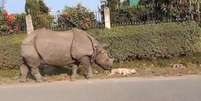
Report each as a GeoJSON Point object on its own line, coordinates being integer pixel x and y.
{"type": "Point", "coordinates": [103, 60]}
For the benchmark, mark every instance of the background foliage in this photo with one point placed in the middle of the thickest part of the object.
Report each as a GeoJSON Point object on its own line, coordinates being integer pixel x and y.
{"type": "Point", "coordinates": [78, 16]}
{"type": "Point", "coordinates": [165, 40]}
{"type": "Point", "coordinates": [39, 12]}
{"type": "Point", "coordinates": [152, 10]}
{"type": "Point", "coordinates": [127, 43]}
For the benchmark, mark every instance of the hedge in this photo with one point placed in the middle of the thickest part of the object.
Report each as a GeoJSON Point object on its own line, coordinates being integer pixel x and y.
{"type": "Point", "coordinates": [165, 40]}
{"type": "Point", "coordinates": [10, 51]}
{"type": "Point", "coordinates": [152, 41]}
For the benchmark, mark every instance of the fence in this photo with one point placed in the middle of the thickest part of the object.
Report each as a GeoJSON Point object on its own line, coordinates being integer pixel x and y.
{"type": "Point", "coordinates": [143, 14]}
{"type": "Point", "coordinates": [59, 22]}
{"type": "Point", "coordinates": [64, 22]}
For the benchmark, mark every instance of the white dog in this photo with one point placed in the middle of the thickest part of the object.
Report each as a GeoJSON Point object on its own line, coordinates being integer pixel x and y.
{"type": "Point", "coordinates": [123, 71]}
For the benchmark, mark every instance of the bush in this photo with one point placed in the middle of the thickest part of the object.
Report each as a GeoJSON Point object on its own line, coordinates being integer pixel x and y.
{"type": "Point", "coordinates": [39, 12]}
{"type": "Point", "coordinates": [10, 24]}
{"type": "Point", "coordinates": [42, 20]}
{"type": "Point", "coordinates": [10, 51]}
{"type": "Point", "coordinates": [21, 22]}
{"type": "Point", "coordinates": [151, 41]}
{"type": "Point", "coordinates": [78, 16]}
{"type": "Point", "coordinates": [130, 15]}
{"type": "Point", "coordinates": [166, 40]}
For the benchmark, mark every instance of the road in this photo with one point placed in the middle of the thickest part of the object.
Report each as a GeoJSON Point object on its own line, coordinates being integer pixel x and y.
{"type": "Point", "coordinates": [186, 88]}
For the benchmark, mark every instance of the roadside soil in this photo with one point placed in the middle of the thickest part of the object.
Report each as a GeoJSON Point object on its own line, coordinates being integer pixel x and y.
{"type": "Point", "coordinates": [12, 76]}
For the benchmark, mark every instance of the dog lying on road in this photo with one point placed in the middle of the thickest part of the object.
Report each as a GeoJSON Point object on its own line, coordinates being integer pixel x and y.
{"type": "Point", "coordinates": [122, 71]}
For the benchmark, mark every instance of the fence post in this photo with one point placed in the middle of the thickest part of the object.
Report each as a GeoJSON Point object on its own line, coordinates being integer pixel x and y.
{"type": "Point", "coordinates": [198, 10]}
{"type": "Point", "coordinates": [29, 24]}
{"type": "Point", "coordinates": [190, 5]}
{"type": "Point", "coordinates": [107, 17]}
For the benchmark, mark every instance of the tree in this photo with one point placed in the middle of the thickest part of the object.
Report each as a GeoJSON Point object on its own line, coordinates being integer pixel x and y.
{"type": "Point", "coordinates": [39, 12]}
{"type": "Point", "coordinates": [78, 16]}
{"type": "Point", "coordinates": [32, 7]}
{"type": "Point", "coordinates": [113, 4]}
{"type": "Point", "coordinates": [43, 7]}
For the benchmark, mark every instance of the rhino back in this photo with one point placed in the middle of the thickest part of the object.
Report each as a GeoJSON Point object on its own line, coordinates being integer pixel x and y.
{"type": "Point", "coordinates": [55, 47]}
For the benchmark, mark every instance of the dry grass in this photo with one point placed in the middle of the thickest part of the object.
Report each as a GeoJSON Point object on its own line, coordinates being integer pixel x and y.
{"type": "Point", "coordinates": [143, 68]}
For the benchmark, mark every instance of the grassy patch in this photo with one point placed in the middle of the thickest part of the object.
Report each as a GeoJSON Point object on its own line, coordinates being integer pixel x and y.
{"type": "Point", "coordinates": [165, 40]}
{"type": "Point", "coordinates": [9, 76]}
{"type": "Point", "coordinates": [171, 43]}
{"type": "Point", "coordinates": [10, 51]}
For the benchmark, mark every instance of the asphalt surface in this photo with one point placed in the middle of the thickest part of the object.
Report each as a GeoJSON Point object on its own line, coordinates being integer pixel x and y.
{"type": "Point", "coordinates": [187, 88]}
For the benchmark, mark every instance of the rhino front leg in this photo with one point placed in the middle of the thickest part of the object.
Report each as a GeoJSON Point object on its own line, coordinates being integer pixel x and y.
{"type": "Point", "coordinates": [87, 64]}
{"type": "Point", "coordinates": [74, 72]}
{"type": "Point", "coordinates": [24, 72]}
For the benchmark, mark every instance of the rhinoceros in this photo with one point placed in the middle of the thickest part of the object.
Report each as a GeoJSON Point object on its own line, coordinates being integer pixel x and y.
{"type": "Point", "coordinates": [74, 47]}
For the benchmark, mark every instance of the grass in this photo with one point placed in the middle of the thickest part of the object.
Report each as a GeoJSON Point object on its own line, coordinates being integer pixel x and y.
{"type": "Point", "coordinates": [12, 39]}
{"type": "Point", "coordinates": [165, 40]}
{"type": "Point", "coordinates": [9, 65]}
{"type": "Point", "coordinates": [144, 68]}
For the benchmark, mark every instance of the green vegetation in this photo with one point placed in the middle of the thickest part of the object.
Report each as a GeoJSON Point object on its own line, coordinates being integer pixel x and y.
{"type": "Point", "coordinates": [128, 43]}
{"type": "Point", "coordinates": [151, 49]}
{"type": "Point", "coordinates": [165, 40]}
{"type": "Point", "coordinates": [78, 16]}
{"type": "Point", "coordinates": [39, 12]}
{"type": "Point", "coordinates": [10, 51]}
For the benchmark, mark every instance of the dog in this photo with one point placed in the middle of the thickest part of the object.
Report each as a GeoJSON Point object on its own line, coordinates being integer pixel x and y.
{"type": "Point", "coordinates": [122, 71]}
{"type": "Point", "coordinates": [178, 66]}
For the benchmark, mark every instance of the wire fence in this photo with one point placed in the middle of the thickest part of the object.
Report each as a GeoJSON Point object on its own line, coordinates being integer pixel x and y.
{"type": "Point", "coordinates": [58, 22]}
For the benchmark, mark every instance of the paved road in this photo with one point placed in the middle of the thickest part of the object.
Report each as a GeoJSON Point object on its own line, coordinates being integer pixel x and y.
{"type": "Point", "coordinates": [187, 88]}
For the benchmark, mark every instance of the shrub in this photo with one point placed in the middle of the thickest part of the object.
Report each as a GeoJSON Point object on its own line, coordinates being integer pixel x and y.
{"type": "Point", "coordinates": [10, 24]}
{"type": "Point", "coordinates": [10, 51]}
{"type": "Point", "coordinates": [78, 16]}
{"type": "Point", "coordinates": [20, 22]}
{"type": "Point", "coordinates": [130, 15]}
{"type": "Point", "coordinates": [42, 20]}
{"type": "Point", "coordinates": [164, 40]}
{"type": "Point", "coordinates": [39, 12]}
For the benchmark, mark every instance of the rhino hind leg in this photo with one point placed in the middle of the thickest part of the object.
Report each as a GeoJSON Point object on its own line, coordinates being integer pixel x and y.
{"type": "Point", "coordinates": [34, 64]}
{"type": "Point", "coordinates": [32, 60]}
{"type": "Point", "coordinates": [86, 62]}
